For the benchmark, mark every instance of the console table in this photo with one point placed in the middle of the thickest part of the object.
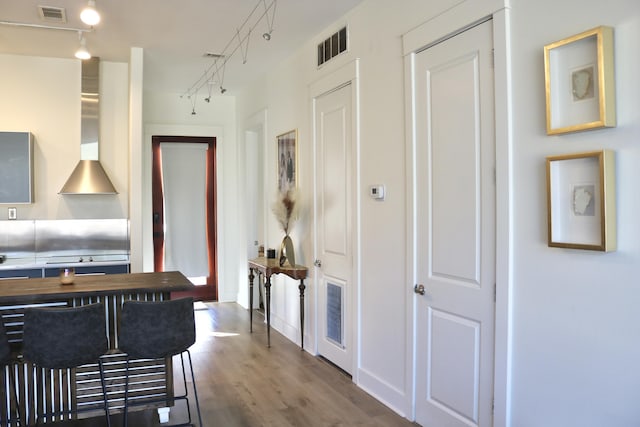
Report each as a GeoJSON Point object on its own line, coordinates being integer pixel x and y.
{"type": "Point", "coordinates": [269, 267]}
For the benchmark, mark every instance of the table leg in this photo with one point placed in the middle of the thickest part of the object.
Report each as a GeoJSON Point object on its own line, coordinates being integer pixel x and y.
{"type": "Point", "coordinates": [267, 291]}
{"type": "Point", "coordinates": [251, 277]}
{"type": "Point", "coordinates": [301, 287]}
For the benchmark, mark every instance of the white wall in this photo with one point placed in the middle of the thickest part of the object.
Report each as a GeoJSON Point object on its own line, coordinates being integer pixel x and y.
{"type": "Point", "coordinates": [375, 27]}
{"type": "Point", "coordinates": [42, 96]}
{"type": "Point", "coordinates": [574, 318]}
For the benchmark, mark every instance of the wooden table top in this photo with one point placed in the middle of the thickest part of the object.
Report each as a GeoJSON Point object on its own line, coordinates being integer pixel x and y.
{"type": "Point", "coordinates": [269, 266]}
{"type": "Point", "coordinates": [27, 290]}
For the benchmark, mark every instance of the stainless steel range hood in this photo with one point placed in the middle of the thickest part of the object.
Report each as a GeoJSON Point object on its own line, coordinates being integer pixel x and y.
{"type": "Point", "coordinates": [89, 176]}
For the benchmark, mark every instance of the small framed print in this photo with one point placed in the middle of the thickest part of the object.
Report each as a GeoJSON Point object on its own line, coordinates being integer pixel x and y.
{"type": "Point", "coordinates": [581, 201]}
{"type": "Point", "coordinates": [579, 82]}
{"type": "Point", "coordinates": [287, 160]}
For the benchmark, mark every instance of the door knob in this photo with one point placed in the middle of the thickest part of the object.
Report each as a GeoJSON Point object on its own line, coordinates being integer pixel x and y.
{"type": "Point", "coordinates": [317, 263]}
{"type": "Point", "coordinates": [419, 289]}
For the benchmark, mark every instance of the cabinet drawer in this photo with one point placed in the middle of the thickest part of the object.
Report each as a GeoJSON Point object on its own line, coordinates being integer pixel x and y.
{"type": "Point", "coordinates": [91, 269]}
{"type": "Point", "coordinates": [23, 273]}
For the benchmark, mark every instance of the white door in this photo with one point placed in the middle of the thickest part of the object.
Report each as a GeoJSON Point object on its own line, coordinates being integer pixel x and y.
{"type": "Point", "coordinates": [455, 230]}
{"type": "Point", "coordinates": [334, 195]}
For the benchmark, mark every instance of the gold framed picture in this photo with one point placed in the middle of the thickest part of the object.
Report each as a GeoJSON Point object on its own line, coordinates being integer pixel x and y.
{"type": "Point", "coordinates": [579, 82]}
{"type": "Point", "coordinates": [287, 160]}
{"type": "Point", "coordinates": [581, 201]}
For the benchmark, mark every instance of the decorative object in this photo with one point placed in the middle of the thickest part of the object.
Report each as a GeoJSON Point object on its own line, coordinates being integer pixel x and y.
{"type": "Point", "coordinates": [579, 82]}
{"type": "Point", "coordinates": [581, 201]}
{"type": "Point", "coordinates": [287, 160]}
{"type": "Point", "coordinates": [285, 209]}
{"type": "Point", "coordinates": [67, 275]}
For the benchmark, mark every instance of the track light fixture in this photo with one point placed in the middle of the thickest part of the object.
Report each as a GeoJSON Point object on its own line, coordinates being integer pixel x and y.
{"type": "Point", "coordinates": [89, 14]}
{"type": "Point", "coordinates": [239, 41]}
{"type": "Point", "coordinates": [82, 52]}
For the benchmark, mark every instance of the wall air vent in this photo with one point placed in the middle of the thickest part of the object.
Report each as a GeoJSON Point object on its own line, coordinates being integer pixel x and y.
{"type": "Point", "coordinates": [52, 14]}
{"type": "Point", "coordinates": [333, 46]}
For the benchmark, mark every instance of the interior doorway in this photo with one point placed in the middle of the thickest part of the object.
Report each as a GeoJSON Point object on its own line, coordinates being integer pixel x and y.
{"type": "Point", "coordinates": [207, 286]}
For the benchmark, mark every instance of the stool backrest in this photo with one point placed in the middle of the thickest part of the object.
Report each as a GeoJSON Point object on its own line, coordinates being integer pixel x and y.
{"type": "Point", "coordinates": [64, 337]}
{"type": "Point", "coordinates": [156, 329]}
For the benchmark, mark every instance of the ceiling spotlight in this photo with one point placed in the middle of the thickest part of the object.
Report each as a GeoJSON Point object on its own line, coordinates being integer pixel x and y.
{"type": "Point", "coordinates": [267, 36]}
{"type": "Point", "coordinates": [222, 90]}
{"type": "Point", "coordinates": [89, 14]}
{"type": "Point", "coordinates": [193, 112]}
{"type": "Point", "coordinates": [208, 99]}
{"type": "Point", "coordinates": [82, 52]}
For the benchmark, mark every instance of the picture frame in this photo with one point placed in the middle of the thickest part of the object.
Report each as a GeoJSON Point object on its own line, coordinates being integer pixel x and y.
{"type": "Point", "coordinates": [581, 201]}
{"type": "Point", "coordinates": [580, 82]}
{"type": "Point", "coordinates": [287, 160]}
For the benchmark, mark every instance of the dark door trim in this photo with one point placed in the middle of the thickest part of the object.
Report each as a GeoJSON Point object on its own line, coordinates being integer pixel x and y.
{"type": "Point", "coordinates": [210, 291]}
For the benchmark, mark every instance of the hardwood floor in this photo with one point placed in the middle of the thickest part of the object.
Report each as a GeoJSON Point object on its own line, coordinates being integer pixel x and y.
{"type": "Point", "coordinates": [242, 383]}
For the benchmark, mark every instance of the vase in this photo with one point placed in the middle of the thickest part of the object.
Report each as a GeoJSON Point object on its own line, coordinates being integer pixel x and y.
{"type": "Point", "coordinates": [286, 252]}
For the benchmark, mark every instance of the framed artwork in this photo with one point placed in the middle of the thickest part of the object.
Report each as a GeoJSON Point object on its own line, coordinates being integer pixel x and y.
{"type": "Point", "coordinates": [579, 82]}
{"type": "Point", "coordinates": [287, 160]}
{"type": "Point", "coordinates": [581, 201]}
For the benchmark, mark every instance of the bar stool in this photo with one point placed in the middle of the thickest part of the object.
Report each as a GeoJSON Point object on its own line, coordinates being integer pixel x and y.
{"type": "Point", "coordinates": [157, 330]}
{"type": "Point", "coordinates": [65, 338]}
{"type": "Point", "coordinates": [7, 361]}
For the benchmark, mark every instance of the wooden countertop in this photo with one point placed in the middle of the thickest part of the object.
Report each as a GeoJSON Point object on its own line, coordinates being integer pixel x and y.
{"type": "Point", "coordinates": [30, 290]}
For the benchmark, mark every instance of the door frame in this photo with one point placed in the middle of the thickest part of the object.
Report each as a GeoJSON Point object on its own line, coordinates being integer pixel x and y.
{"type": "Point", "coordinates": [440, 28]}
{"type": "Point", "coordinates": [346, 75]}
{"type": "Point", "coordinates": [210, 291]}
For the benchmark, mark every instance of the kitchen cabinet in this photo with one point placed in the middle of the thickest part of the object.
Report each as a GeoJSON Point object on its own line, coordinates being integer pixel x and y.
{"type": "Point", "coordinates": [16, 167]}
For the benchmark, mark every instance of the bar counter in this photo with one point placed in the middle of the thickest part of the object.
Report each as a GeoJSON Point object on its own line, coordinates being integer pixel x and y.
{"type": "Point", "coordinates": [76, 388]}
{"type": "Point", "coordinates": [34, 290]}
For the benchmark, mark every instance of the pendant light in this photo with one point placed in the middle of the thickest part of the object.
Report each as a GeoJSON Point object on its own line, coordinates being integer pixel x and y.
{"type": "Point", "coordinates": [89, 14]}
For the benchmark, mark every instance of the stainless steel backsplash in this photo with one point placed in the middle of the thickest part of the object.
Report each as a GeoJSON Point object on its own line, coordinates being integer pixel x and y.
{"type": "Point", "coordinates": [42, 239]}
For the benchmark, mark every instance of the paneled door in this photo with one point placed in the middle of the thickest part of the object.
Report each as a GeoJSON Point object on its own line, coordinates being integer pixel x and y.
{"type": "Point", "coordinates": [455, 230]}
{"type": "Point", "coordinates": [334, 225]}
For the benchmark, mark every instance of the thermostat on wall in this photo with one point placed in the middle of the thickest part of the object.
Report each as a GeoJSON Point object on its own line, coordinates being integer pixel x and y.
{"type": "Point", "coordinates": [376, 192]}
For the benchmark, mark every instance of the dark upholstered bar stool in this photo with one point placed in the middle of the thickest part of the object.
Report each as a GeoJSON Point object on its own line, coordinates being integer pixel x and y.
{"type": "Point", "coordinates": [65, 338]}
{"type": "Point", "coordinates": [156, 330]}
{"type": "Point", "coordinates": [6, 360]}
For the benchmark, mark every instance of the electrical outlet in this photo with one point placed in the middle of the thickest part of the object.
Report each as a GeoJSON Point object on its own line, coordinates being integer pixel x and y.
{"type": "Point", "coordinates": [13, 213]}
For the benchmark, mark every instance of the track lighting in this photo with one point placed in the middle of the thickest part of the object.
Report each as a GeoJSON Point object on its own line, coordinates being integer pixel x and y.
{"type": "Point", "coordinates": [89, 14]}
{"type": "Point", "coordinates": [82, 52]}
{"type": "Point", "coordinates": [239, 41]}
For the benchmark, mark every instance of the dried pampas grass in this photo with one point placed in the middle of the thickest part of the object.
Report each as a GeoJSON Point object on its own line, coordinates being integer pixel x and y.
{"type": "Point", "coordinates": [285, 208]}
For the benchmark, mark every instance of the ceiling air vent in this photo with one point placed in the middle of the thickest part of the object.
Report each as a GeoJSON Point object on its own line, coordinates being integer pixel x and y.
{"type": "Point", "coordinates": [52, 14]}
{"type": "Point", "coordinates": [333, 46]}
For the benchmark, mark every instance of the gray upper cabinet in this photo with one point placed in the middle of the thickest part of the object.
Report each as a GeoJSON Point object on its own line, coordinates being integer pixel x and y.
{"type": "Point", "coordinates": [16, 167]}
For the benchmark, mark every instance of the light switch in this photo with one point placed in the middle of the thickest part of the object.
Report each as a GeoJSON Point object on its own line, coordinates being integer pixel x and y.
{"type": "Point", "coordinates": [376, 192]}
{"type": "Point", "coordinates": [13, 213]}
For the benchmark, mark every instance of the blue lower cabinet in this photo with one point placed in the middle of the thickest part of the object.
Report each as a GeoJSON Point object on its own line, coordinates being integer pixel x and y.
{"type": "Point", "coordinates": [23, 273]}
{"type": "Point", "coordinates": [91, 269]}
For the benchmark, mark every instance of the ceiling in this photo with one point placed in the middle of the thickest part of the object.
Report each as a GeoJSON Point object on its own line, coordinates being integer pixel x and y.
{"type": "Point", "coordinates": [175, 35]}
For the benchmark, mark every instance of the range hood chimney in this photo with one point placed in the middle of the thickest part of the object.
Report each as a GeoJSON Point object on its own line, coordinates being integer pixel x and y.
{"type": "Point", "coordinates": [89, 177]}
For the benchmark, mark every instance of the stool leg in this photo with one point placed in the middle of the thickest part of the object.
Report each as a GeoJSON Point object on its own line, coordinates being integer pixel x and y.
{"type": "Point", "coordinates": [104, 393]}
{"type": "Point", "coordinates": [186, 387]}
{"type": "Point", "coordinates": [14, 393]}
{"type": "Point", "coordinates": [195, 390]}
{"type": "Point", "coordinates": [125, 422]}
